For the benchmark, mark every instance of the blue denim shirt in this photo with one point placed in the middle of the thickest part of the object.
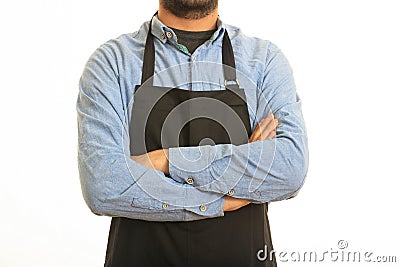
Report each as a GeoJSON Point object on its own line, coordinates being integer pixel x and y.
{"type": "Point", "coordinates": [262, 171]}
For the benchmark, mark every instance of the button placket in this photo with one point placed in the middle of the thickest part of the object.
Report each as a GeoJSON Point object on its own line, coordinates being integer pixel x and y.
{"type": "Point", "coordinates": [193, 70]}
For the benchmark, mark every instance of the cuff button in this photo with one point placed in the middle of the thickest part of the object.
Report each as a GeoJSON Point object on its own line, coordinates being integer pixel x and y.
{"type": "Point", "coordinates": [190, 180]}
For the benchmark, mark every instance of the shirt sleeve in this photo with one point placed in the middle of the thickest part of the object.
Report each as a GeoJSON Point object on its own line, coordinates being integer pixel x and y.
{"type": "Point", "coordinates": [112, 183]}
{"type": "Point", "coordinates": [261, 171]}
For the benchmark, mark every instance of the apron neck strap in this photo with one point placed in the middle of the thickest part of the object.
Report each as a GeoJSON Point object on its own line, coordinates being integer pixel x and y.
{"type": "Point", "coordinates": [228, 59]}
{"type": "Point", "coordinates": [149, 56]}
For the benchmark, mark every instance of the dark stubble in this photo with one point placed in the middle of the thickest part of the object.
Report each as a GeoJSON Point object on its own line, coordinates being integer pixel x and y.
{"type": "Point", "coordinates": [190, 9]}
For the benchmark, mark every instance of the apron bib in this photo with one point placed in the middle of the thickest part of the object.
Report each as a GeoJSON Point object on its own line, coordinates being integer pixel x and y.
{"type": "Point", "coordinates": [199, 118]}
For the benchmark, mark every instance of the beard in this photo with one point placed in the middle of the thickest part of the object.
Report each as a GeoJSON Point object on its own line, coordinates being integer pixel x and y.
{"type": "Point", "coordinates": [190, 9]}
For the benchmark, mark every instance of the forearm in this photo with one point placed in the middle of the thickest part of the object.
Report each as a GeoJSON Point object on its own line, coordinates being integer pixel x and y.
{"type": "Point", "coordinates": [115, 186]}
{"type": "Point", "coordinates": [262, 171]}
{"type": "Point", "coordinates": [112, 183]}
{"type": "Point", "coordinates": [158, 160]}
{"type": "Point", "coordinates": [270, 178]}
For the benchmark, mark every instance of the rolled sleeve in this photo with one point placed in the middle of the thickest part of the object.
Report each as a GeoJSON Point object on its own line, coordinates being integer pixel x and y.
{"type": "Point", "coordinates": [112, 183]}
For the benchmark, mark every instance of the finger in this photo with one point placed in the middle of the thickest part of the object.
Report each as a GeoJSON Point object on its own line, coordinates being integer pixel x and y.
{"type": "Point", "coordinates": [256, 135]}
{"type": "Point", "coordinates": [232, 204]}
{"type": "Point", "coordinates": [240, 204]}
{"type": "Point", "coordinates": [228, 203]}
{"type": "Point", "coordinates": [270, 128]}
{"type": "Point", "coordinates": [276, 123]}
{"type": "Point", "coordinates": [272, 134]}
{"type": "Point", "coordinates": [266, 126]}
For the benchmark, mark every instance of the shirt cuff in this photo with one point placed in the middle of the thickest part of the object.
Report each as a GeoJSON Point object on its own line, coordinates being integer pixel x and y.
{"type": "Point", "coordinates": [193, 165]}
{"type": "Point", "coordinates": [187, 162]}
{"type": "Point", "coordinates": [211, 210]}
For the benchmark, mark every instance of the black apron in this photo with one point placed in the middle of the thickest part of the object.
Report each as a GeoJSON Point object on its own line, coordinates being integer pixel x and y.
{"type": "Point", "coordinates": [232, 240]}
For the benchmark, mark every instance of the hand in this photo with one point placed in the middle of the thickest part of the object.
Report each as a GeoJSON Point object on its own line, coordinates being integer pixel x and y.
{"type": "Point", "coordinates": [157, 159]}
{"type": "Point", "coordinates": [231, 203]}
{"type": "Point", "coordinates": [266, 128]}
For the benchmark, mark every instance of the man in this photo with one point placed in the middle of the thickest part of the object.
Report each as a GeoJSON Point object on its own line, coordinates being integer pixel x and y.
{"type": "Point", "coordinates": [187, 160]}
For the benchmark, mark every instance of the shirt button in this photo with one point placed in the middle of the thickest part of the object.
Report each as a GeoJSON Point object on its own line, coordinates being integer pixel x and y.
{"type": "Point", "coordinates": [203, 208]}
{"type": "Point", "coordinates": [165, 205]}
{"type": "Point", "coordinates": [231, 192]}
{"type": "Point", "coordinates": [190, 180]}
{"type": "Point", "coordinates": [162, 36]}
{"type": "Point", "coordinates": [169, 34]}
{"type": "Point", "coordinates": [193, 58]}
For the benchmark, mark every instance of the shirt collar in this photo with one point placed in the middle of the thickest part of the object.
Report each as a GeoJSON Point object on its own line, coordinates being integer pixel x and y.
{"type": "Point", "coordinates": [163, 32]}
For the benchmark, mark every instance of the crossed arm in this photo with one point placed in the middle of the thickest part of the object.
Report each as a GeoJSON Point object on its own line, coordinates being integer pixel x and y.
{"type": "Point", "coordinates": [158, 159]}
{"type": "Point", "coordinates": [113, 184]}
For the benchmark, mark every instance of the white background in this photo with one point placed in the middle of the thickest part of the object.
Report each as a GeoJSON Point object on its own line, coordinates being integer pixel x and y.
{"type": "Point", "coordinates": [345, 55]}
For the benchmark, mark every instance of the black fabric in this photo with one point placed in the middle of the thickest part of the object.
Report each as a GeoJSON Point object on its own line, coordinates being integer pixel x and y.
{"type": "Point", "coordinates": [149, 56]}
{"type": "Point", "coordinates": [231, 240]}
{"type": "Point", "coordinates": [228, 60]}
{"type": "Point", "coordinates": [191, 40]}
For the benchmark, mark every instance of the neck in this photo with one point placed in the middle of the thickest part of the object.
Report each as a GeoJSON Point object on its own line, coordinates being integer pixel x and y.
{"type": "Point", "coordinates": [204, 24]}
